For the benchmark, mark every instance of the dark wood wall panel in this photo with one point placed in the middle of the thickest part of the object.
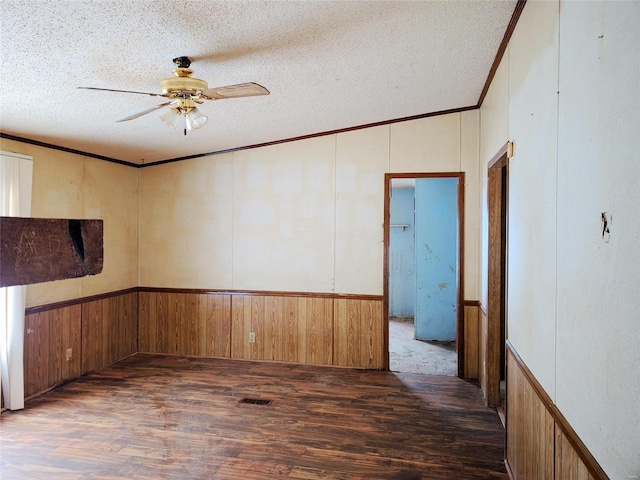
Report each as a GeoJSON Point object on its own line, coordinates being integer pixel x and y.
{"type": "Point", "coordinates": [530, 429]}
{"type": "Point", "coordinates": [184, 323]}
{"type": "Point", "coordinates": [318, 329]}
{"type": "Point", "coordinates": [358, 333]}
{"type": "Point", "coordinates": [540, 442]}
{"type": "Point", "coordinates": [242, 310]}
{"type": "Point", "coordinates": [569, 465]}
{"type": "Point", "coordinates": [126, 308]}
{"type": "Point", "coordinates": [296, 328]}
{"type": "Point", "coordinates": [47, 337]}
{"type": "Point", "coordinates": [99, 331]}
{"type": "Point", "coordinates": [218, 326]}
{"type": "Point", "coordinates": [471, 340]}
{"type": "Point", "coordinates": [109, 330]}
{"type": "Point", "coordinates": [287, 329]}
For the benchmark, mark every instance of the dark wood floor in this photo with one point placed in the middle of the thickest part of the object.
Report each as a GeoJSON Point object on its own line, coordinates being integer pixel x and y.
{"type": "Point", "coordinates": [179, 418]}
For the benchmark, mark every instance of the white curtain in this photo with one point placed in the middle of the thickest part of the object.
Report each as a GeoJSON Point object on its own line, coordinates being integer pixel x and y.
{"type": "Point", "coordinates": [15, 201]}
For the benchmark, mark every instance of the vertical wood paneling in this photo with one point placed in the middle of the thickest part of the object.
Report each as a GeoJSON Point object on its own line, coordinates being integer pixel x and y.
{"type": "Point", "coordinates": [272, 333]}
{"type": "Point", "coordinates": [32, 362]}
{"type": "Point", "coordinates": [471, 338]}
{"type": "Point", "coordinates": [358, 333]}
{"type": "Point", "coordinates": [290, 328]}
{"type": "Point", "coordinates": [318, 331]}
{"type": "Point", "coordinates": [530, 428]}
{"type": "Point", "coordinates": [346, 313]}
{"type": "Point", "coordinates": [162, 322]}
{"type": "Point", "coordinates": [540, 441]}
{"type": "Point", "coordinates": [482, 349]}
{"type": "Point", "coordinates": [371, 317]}
{"type": "Point", "coordinates": [109, 330]}
{"type": "Point", "coordinates": [55, 356]}
{"type": "Point", "coordinates": [185, 323]}
{"type": "Point", "coordinates": [171, 333]}
{"type": "Point", "coordinates": [91, 336]}
{"type": "Point", "coordinates": [256, 325]}
{"type": "Point", "coordinates": [131, 320]}
{"type": "Point", "coordinates": [98, 332]}
{"type": "Point", "coordinates": [237, 326]}
{"type": "Point", "coordinates": [218, 326]}
{"type": "Point", "coordinates": [144, 322]}
{"type": "Point", "coordinates": [569, 466]}
{"type": "Point", "coordinates": [296, 329]}
{"type": "Point", "coordinates": [47, 336]}
{"type": "Point", "coordinates": [246, 349]}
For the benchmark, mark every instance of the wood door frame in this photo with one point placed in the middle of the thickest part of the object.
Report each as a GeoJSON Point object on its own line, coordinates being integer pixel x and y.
{"type": "Point", "coordinates": [460, 287]}
{"type": "Point", "coordinates": [497, 199]}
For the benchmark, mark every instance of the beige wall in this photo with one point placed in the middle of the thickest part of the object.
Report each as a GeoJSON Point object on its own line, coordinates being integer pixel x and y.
{"type": "Point", "coordinates": [598, 307]}
{"type": "Point", "coordinates": [67, 185]}
{"type": "Point", "coordinates": [299, 216]}
{"type": "Point", "coordinates": [533, 116]}
{"type": "Point", "coordinates": [303, 216]}
{"type": "Point", "coordinates": [362, 159]}
{"type": "Point", "coordinates": [186, 224]}
{"type": "Point", "coordinates": [567, 93]}
{"type": "Point", "coordinates": [494, 133]}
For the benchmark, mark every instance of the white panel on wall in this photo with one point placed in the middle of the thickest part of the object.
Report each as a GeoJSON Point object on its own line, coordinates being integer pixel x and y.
{"type": "Point", "coordinates": [469, 161]}
{"type": "Point", "coordinates": [362, 159]}
{"type": "Point", "coordinates": [283, 221]}
{"type": "Point", "coordinates": [186, 213]}
{"type": "Point", "coordinates": [533, 100]}
{"type": "Point", "coordinates": [598, 312]}
{"type": "Point", "coordinates": [429, 144]}
{"type": "Point", "coordinates": [494, 133]}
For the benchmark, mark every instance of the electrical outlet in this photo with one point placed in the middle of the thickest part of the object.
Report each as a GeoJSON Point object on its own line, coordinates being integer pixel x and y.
{"type": "Point", "coordinates": [252, 337]}
{"type": "Point", "coordinates": [69, 354]}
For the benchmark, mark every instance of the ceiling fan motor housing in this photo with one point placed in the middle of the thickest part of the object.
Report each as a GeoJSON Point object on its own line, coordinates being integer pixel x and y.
{"type": "Point", "coordinates": [182, 83]}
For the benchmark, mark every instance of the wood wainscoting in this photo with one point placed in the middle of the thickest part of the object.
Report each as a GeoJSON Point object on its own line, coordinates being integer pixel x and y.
{"type": "Point", "coordinates": [287, 329]}
{"type": "Point", "coordinates": [313, 328]}
{"type": "Point", "coordinates": [472, 318]}
{"type": "Point", "coordinates": [109, 330]}
{"type": "Point", "coordinates": [540, 442]}
{"type": "Point", "coordinates": [184, 323]}
{"type": "Point", "coordinates": [99, 330]}
{"type": "Point", "coordinates": [47, 337]}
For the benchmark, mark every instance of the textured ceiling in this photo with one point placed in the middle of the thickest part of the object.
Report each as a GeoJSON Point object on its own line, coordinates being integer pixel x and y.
{"type": "Point", "coordinates": [329, 65]}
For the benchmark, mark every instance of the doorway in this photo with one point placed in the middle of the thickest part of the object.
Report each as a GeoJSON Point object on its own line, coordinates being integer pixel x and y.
{"type": "Point", "coordinates": [423, 272]}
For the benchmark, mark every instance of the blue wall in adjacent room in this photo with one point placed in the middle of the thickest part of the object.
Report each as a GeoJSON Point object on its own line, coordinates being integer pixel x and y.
{"type": "Point", "coordinates": [436, 250]}
{"type": "Point", "coordinates": [402, 278]}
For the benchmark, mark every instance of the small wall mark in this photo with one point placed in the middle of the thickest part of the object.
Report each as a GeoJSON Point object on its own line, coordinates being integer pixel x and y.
{"type": "Point", "coordinates": [605, 222]}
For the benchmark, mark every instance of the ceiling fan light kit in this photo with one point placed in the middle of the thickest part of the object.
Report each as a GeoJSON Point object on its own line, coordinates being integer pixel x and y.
{"type": "Point", "coordinates": [185, 92]}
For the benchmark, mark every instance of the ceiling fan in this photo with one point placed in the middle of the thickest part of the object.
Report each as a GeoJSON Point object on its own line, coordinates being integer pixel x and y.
{"type": "Point", "coordinates": [184, 92]}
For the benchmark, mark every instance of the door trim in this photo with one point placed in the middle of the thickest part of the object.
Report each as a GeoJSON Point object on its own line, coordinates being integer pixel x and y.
{"type": "Point", "coordinates": [496, 282]}
{"type": "Point", "coordinates": [460, 287]}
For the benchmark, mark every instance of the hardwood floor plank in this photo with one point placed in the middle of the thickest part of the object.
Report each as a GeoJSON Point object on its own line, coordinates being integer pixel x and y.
{"type": "Point", "coordinates": [152, 416]}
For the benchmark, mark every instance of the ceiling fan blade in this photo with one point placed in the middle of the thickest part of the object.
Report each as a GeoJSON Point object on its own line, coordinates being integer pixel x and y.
{"type": "Point", "coordinates": [122, 91]}
{"type": "Point", "coordinates": [233, 91]}
{"type": "Point", "coordinates": [157, 107]}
